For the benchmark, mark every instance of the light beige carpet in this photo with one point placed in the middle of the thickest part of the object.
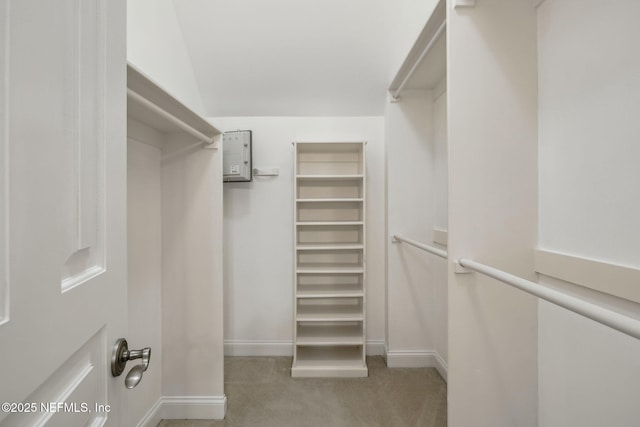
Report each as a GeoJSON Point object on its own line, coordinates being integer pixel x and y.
{"type": "Point", "coordinates": [261, 392]}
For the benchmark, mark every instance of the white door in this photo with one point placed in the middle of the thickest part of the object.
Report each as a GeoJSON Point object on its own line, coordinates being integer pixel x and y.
{"type": "Point", "coordinates": [63, 287]}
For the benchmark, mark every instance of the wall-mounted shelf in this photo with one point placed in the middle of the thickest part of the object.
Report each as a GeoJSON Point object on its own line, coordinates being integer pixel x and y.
{"type": "Point", "coordinates": [151, 105]}
{"type": "Point", "coordinates": [426, 64]}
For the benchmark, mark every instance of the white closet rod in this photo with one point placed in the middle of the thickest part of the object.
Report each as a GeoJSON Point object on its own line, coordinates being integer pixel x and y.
{"type": "Point", "coordinates": [423, 55]}
{"type": "Point", "coordinates": [169, 117]}
{"type": "Point", "coordinates": [430, 249]}
{"type": "Point", "coordinates": [612, 319]}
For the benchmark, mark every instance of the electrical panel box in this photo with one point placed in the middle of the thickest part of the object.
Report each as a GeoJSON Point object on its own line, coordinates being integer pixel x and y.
{"type": "Point", "coordinates": [236, 156]}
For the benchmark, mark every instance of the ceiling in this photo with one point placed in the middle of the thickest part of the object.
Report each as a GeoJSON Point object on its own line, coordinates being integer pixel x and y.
{"type": "Point", "coordinates": [288, 57]}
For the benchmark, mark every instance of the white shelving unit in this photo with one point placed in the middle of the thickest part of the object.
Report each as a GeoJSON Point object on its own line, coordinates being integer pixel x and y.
{"type": "Point", "coordinates": [329, 238]}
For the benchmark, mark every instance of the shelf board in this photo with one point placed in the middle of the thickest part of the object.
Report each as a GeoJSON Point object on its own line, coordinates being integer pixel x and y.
{"type": "Point", "coordinates": [425, 71]}
{"type": "Point", "coordinates": [333, 269]}
{"type": "Point", "coordinates": [329, 223]}
{"type": "Point", "coordinates": [330, 291]}
{"type": "Point", "coordinates": [328, 177]}
{"type": "Point", "coordinates": [329, 313]}
{"type": "Point", "coordinates": [329, 362]}
{"type": "Point", "coordinates": [150, 104]}
{"type": "Point", "coordinates": [306, 266]}
{"type": "Point", "coordinates": [329, 246]}
{"type": "Point", "coordinates": [330, 335]}
{"type": "Point", "coordinates": [333, 200]}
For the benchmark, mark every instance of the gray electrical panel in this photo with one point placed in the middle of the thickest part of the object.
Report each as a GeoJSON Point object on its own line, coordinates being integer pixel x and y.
{"type": "Point", "coordinates": [236, 156]}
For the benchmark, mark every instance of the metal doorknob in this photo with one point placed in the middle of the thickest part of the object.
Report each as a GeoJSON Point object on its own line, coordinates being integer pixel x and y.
{"type": "Point", "coordinates": [121, 355]}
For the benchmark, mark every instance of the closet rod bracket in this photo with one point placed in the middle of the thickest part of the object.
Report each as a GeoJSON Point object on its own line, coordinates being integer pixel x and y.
{"type": "Point", "coordinates": [213, 143]}
{"type": "Point", "coordinates": [459, 269]}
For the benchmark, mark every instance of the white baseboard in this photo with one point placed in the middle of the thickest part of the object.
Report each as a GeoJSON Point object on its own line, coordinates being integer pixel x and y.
{"type": "Point", "coordinates": [185, 408]}
{"type": "Point", "coordinates": [194, 407]}
{"type": "Point", "coordinates": [441, 367]}
{"type": "Point", "coordinates": [417, 359]}
{"type": "Point", "coordinates": [281, 348]}
{"type": "Point", "coordinates": [153, 416]}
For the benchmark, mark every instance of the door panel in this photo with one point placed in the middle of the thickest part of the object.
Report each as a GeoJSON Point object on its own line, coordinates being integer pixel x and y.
{"type": "Point", "coordinates": [75, 384]}
{"type": "Point", "coordinates": [64, 120]}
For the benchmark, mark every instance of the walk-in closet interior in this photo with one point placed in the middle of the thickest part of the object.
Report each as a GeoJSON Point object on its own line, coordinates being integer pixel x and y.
{"type": "Point", "coordinates": [502, 137]}
{"type": "Point", "coordinates": [353, 186]}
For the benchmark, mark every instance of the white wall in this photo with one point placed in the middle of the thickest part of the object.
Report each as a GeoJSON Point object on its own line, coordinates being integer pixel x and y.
{"type": "Point", "coordinates": [589, 130]}
{"type": "Point", "coordinates": [441, 161]}
{"type": "Point", "coordinates": [416, 281]}
{"type": "Point", "coordinates": [156, 46]}
{"type": "Point", "coordinates": [441, 221]}
{"type": "Point", "coordinates": [589, 202]}
{"type": "Point", "coordinates": [144, 255]}
{"type": "Point", "coordinates": [192, 279]}
{"type": "Point", "coordinates": [492, 92]}
{"type": "Point", "coordinates": [258, 236]}
{"type": "Point", "coordinates": [175, 275]}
